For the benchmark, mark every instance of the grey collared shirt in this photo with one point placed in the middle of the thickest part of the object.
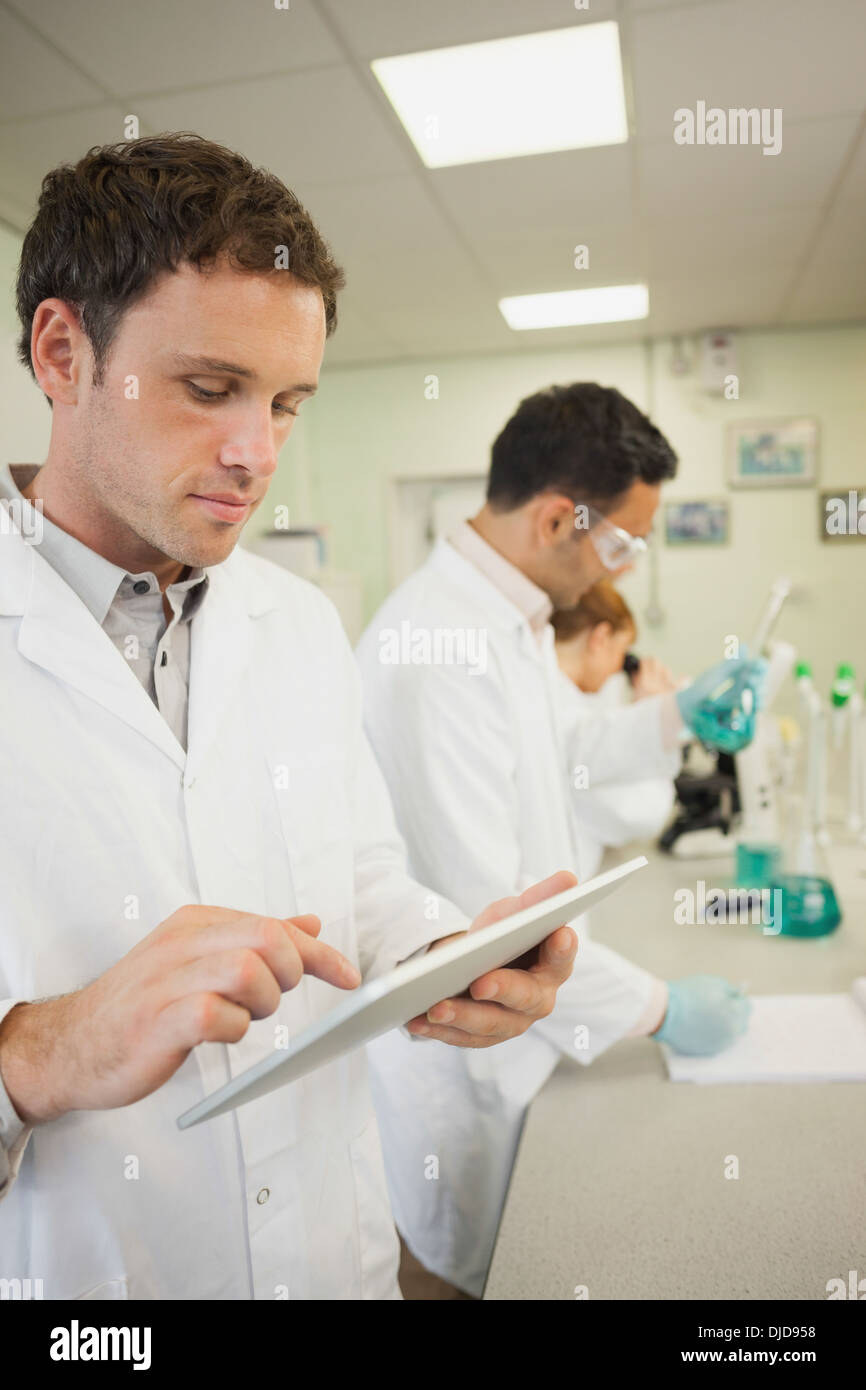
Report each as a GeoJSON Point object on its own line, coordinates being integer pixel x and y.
{"type": "Point", "coordinates": [128, 607]}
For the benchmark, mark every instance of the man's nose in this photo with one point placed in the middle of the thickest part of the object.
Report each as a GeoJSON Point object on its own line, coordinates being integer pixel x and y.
{"type": "Point", "coordinates": [251, 445]}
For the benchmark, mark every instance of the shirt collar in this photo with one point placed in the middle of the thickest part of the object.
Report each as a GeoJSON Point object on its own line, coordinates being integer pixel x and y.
{"type": "Point", "coordinates": [95, 580]}
{"type": "Point", "coordinates": [533, 602]}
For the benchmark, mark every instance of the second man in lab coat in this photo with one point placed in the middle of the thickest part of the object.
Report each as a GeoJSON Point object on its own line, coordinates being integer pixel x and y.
{"type": "Point", "coordinates": [485, 752]}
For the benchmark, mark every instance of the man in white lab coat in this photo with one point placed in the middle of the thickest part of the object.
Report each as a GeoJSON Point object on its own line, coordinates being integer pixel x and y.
{"type": "Point", "coordinates": [486, 754]}
{"type": "Point", "coordinates": [185, 775]}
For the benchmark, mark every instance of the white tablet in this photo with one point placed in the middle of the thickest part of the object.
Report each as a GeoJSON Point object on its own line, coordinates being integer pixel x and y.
{"type": "Point", "coordinates": [407, 991]}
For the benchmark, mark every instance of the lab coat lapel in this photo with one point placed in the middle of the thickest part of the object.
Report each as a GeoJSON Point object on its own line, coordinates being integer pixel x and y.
{"type": "Point", "coordinates": [59, 634]}
{"type": "Point", "coordinates": [221, 650]}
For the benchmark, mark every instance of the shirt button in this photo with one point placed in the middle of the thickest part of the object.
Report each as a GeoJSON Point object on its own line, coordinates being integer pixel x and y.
{"type": "Point", "coordinates": [141, 586]}
{"type": "Point", "coordinates": [263, 1195]}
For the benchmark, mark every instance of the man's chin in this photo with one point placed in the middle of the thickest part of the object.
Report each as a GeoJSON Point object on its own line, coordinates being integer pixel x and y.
{"type": "Point", "coordinates": [208, 551]}
{"type": "Point", "coordinates": [214, 555]}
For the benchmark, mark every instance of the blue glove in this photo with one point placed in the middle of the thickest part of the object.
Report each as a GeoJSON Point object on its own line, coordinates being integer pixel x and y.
{"type": "Point", "coordinates": [705, 1015]}
{"type": "Point", "coordinates": [720, 704]}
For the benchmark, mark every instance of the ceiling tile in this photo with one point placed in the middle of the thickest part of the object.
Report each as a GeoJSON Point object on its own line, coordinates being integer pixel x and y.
{"type": "Point", "coordinates": [634, 6]}
{"type": "Point", "coordinates": [132, 48]}
{"type": "Point", "coordinates": [833, 283]}
{"type": "Point", "coordinates": [34, 78]}
{"type": "Point", "coordinates": [827, 296]}
{"type": "Point", "coordinates": [692, 303]}
{"type": "Point", "coordinates": [472, 320]}
{"type": "Point", "coordinates": [316, 127]}
{"type": "Point", "coordinates": [363, 216]}
{"type": "Point", "coordinates": [685, 242]}
{"type": "Point", "coordinates": [724, 180]}
{"type": "Point", "coordinates": [852, 189]}
{"type": "Point", "coordinates": [542, 260]}
{"type": "Point", "coordinates": [804, 57]}
{"type": "Point", "coordinates": [381, 28]}
{"type": "Point", "coordinates": [394, 244]}
{"type": "Point", "coordinates": [511, 195]}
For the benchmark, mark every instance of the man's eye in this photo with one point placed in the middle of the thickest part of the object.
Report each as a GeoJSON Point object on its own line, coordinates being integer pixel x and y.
{"type": "Point", "coordinates": [201, 394]}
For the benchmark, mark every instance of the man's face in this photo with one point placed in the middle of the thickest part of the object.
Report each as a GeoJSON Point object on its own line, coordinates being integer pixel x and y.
{"type": "Point", "coordinates": [223, 360]}
{"type": "Point", "coordinates": [575, 565]}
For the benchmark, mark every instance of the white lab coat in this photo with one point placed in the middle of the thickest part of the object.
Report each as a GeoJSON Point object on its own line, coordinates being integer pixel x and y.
{"type": "Point", "coordinates": [614, 814]}
{"type": "Point", "coordinates": [106, 827]}
{"type": "Point", "coordinates": [480, 769]}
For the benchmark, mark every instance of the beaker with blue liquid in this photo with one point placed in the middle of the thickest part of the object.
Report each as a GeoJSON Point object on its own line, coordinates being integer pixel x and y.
{"type": "Point", "coordinates": [725, 718]}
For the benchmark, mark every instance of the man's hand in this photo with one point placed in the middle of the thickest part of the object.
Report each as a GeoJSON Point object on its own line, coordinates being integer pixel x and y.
{"type": "Point", "coordinates": [200, 976]}
{"type": "Point", "coordinates": [521, 992]}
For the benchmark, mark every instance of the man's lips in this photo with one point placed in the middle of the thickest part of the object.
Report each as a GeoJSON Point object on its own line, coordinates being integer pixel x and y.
{"type": "Point", "coordinates": [223, 505]}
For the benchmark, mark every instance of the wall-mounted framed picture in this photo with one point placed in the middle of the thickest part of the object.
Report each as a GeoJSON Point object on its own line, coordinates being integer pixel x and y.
{"type": "Point", "coordinates": [842, 514]}
{"type": "Point", "coordinates": [703, 522]}
{"type": "Point", "coordinates": [772, 453]}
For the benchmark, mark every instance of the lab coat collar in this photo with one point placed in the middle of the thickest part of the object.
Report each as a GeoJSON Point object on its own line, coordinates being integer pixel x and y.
{"type": "Point", "coordinates": [59, 633]}
{"type": "Point", "coordinates": [95, 579]}
{"type": "Point", "coordinates": [500, 611]}
{"type": "Point", "coordinates": [532, 601]}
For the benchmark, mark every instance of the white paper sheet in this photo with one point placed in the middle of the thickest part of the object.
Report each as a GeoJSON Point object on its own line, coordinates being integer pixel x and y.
{"type": "Point", "coordinates": [791, 1037]}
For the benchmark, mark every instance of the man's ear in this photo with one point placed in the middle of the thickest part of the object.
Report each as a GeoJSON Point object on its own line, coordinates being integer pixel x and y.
{"type": "Point", "coordinates": [554, 518]}
{"type": "Point", "coordinates": [58, 347]}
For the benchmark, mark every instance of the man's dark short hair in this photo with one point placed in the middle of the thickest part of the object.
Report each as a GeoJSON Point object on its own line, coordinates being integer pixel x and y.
{"type": "Point", "coordinates": [585, 441]}
{"type": "Point", "coordinates": [107, 226]}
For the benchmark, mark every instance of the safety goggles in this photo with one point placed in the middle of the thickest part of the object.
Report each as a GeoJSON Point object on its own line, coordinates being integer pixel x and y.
{"type": "Point", "coordinates": [614, 546]}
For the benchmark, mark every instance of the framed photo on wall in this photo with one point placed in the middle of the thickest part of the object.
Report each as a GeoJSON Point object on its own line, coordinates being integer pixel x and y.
{"type": "Point", "coordinates": [772, 453]}
{"type": "Point", "coordinates": [704, 522]}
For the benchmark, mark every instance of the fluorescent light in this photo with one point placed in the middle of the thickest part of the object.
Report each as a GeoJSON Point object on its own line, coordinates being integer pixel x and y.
{"type": "Point", "coordinates": [560, 90]}
{"type": "Point", "coordinates": [607, 304]}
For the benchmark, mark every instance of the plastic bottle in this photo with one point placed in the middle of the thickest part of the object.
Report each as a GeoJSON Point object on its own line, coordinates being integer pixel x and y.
{"type": "Point", "coordinates": [839, 749]}
{"type": "Point", "coordinates": [802, 894]}
{"type": "Point", "coordinates": [856, 803]}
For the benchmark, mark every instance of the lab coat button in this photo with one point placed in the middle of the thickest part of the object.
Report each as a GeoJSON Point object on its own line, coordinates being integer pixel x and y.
{"type": "Point", "coordinates": [263, 1195]}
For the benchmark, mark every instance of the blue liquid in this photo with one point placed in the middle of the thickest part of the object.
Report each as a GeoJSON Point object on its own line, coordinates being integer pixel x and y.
{"type": "Point", "coordinates": [725, 727]}
{"type": "Point", "coordinates": [757, 865]}
{"type": "Point", "coordinates": [809, 906]}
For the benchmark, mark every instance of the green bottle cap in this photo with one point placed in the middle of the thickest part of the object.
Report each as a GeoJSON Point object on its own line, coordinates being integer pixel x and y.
{"type": "Point", "coordinates": [843, 686]}
{"type": "Point", "coordinates": [802, 669]}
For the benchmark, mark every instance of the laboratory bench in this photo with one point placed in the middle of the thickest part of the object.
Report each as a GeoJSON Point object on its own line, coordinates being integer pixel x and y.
{"type": "Point", "coordinates": [619, 1188]}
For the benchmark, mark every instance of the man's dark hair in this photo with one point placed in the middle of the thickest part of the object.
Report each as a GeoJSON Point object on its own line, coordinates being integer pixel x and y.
{"type": "Point", "coordinates": [586, 441]}
{"type": "Point", "coordinates": [107, 226]}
